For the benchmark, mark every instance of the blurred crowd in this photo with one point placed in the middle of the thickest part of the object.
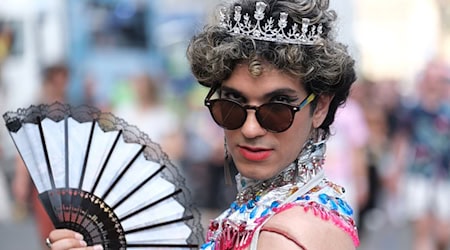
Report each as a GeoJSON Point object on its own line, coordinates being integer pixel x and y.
{"type": "Point", "coordinates": [187, 134]}
{"type": "Point", "coordinates": [389, 148]}
{"type": "Point", "coordinates": [391, 152]}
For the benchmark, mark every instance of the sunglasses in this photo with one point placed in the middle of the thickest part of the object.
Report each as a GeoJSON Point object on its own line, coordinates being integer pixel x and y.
{"type": "Point", "coordinates": [275, 117]}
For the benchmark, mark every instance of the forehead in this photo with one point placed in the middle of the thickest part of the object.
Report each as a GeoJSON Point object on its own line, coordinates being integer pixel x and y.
{"type": "Point", "coordinates": [269, 80]}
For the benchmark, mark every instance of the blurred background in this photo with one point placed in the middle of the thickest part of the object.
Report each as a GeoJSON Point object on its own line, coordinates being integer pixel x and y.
{"type": "Point", "coordinates": [128, 57]}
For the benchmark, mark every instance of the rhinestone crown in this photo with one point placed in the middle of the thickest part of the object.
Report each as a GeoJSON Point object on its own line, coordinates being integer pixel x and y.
{"type": "Point", "coordinates": [268, 30]}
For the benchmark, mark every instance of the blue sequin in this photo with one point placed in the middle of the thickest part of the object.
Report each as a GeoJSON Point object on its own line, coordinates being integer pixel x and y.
{"type": "Point", "coordinates": [346, 208]}
{"type": "Point", "coordinates": [333, 205]}
{"type": "Point", "coordinates": [306, 197]}
{"type": "Point", "coordinates": [274, 204]}
{"type": "Point", "coordinates": [242, 209]}
{"type": "Point", "coordinates": [207, 245]}
{"type": "Point", "coordinates": [234, 206]}
{"type": "Point", "coordinates": [265, 212]}
{"type": "Point", "coordinates": [324, 198]}
{"type": "Point", "coordinates": [257, 198]}
{"type": "Point", "coordinates": [253, 213]}
{"type": "Point", "coordinates": [251, 204]}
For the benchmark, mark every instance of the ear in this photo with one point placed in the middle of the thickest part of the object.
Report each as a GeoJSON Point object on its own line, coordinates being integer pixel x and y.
{"type": "Point", "coordinates": [321, 110]}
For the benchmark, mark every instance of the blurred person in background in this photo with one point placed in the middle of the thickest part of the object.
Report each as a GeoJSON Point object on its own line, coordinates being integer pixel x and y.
{"type": "Point", "coordinates": [377, 153]}
{"type": "Point", "coordinates": [204, 157]}
{"type": "Point", "coordinates": [422, 148]}
{"type": "Point", "coordinates": [5, 199]}
{"type": "Point", "coordinates": [375, 105]}
{"type": "Point", "coordinates": [146, 109]}
{"type": "Point", "coordinates": [5, 42]}
{"type": "Point", "coordinates": [386, 96]}
{"type": "Point", "coordinates": [54, 89]}
{"type": "Point", "coordinates": [346, 162]}
{"type": "Point", "coordinates": [90, 91]}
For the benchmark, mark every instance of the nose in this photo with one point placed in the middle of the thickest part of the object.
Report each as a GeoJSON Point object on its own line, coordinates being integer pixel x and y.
{"type": "Point", "coordinates": [251, 127]}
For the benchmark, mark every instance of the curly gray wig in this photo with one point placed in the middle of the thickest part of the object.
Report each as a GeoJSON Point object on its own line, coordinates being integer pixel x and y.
{"type": "Point", "coordinates": [323, 69]}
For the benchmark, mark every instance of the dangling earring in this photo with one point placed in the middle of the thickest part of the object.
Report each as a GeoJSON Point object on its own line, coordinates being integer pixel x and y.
{"type": "Point", "coordinates": [318, 135]}
{"type": "Point", "coordinates": [226, 164]}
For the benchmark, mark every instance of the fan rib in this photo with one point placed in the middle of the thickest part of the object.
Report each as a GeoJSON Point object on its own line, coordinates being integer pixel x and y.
{"type": "Point", "coordinates": [123, 173]}
{"type": "Point", "coordinates": [44, 147]}
{"type": "Point", "coordinates": [66, 146]}
{"type": "Point", "coordinates": [151, 204]}
{"type": "Point", "coordinates": [83, 171]}
{"type": "Point", "coordinates": [86, 157]}
{"type": "Point", "coordinates": [106, 162]}
{"type": "Point", "coordinates": [138, 187]}
{"type": "Point", "coordinates": [185, 218]}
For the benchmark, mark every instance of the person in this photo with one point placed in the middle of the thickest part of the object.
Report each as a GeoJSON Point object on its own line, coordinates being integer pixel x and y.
{"type": "Point", "coordinates": [376, 107]}
{"type": "Point", "coordinates": [5, 205]}
{"type": "Point", "coordinates": [346, 162]}
{"type": "Point", "coordinates": [148, 112]}
{"type": "Point", "coordinates": [421, 163]}
{"type": "Point", "coordinates": [54, 89]}
{"type": "Point", "coordinates": [276, 76]}
{"type": "Point", "coordinates": [209, 180]}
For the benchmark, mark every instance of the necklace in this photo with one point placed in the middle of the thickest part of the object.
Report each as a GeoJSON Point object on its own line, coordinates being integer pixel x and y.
{"type": "Point", "coordinates": [302, 183]}
{"type": "Point", "coordinates": [307, 165]}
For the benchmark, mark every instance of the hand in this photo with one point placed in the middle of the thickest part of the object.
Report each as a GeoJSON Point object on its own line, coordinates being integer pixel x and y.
{"type": "Point", "coordinates": [64, 239]}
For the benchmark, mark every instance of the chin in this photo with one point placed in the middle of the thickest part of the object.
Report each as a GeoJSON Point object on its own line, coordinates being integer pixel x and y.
{"type": "Point", "coordinates": [256, 174]}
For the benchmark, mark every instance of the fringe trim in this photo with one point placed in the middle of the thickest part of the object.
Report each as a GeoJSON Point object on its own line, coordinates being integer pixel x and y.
{"type": "Point", "coordinates": [327, 215]}
{"type": "Point", "coordinates": [236, 237]}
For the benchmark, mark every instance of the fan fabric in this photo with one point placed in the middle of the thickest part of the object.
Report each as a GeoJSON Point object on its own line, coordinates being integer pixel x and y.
{"type": "Point", "coordinates": [104, 178]}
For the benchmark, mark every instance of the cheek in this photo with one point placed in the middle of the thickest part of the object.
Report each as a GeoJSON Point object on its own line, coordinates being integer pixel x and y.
{"type": "Point", "coordinates": [291, 145]}
{"type": "Point", "coordinates": [298, 133]}
{"type": "Point", "coordinates": [302, 125]}
{"type": "Point", "coordinates": [228, 134]}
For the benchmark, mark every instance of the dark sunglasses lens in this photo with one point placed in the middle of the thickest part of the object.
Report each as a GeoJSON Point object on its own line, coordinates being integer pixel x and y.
{"type": "Point", "coordinates": [228, 114]}
{"type": "Point", "coordinates": [276, 117]}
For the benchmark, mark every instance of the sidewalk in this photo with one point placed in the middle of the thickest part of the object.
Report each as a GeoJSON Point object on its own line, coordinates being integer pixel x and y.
{"type": "Point", "coordinates": [19, 235]}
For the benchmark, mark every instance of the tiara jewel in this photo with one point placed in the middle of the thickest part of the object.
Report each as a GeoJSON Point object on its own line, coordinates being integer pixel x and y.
{"type": "Point", "coordinates": [268, 31]}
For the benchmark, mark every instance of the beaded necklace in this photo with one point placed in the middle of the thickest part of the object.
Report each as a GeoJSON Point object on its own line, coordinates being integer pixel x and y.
{"type": "Point", "coordinates": [301, 183]}
{"type": "Point", "coordinates": [300, 172]}
{"type": "Point", "coordinates": [238, 227]}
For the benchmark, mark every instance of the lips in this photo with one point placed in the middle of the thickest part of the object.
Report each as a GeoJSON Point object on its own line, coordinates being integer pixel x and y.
{"type": "Point", "coordinates": [255, 154]}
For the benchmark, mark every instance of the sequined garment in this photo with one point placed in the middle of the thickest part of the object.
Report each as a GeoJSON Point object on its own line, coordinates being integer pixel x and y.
{"type": "Point", "coordinates": [301, 184]}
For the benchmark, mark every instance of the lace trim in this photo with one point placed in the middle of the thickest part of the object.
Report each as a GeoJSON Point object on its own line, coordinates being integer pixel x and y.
{"type": "Point", "coordinates": [108, 122]}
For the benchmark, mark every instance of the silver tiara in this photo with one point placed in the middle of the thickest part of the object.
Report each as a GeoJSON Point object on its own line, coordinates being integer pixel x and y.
{"type": "Point", "coordinates": [267, 31]}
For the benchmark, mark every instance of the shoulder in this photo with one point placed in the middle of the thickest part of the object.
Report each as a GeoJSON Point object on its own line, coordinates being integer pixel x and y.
{"type": "Point", "coordinates": [296, 228]}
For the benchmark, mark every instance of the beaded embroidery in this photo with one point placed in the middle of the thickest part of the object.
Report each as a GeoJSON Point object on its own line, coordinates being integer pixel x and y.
{"type": "Point", "coordinates": [258, 201]}
{"type": "Point", "coordinates": [308, 164]}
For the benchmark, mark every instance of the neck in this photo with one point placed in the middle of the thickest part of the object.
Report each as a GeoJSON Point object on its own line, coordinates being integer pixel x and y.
{"type": "Point", "coordinates": [307, 165]}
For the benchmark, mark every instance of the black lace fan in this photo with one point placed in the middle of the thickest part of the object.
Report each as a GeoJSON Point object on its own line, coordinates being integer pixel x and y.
{"type": "Point", "coordinates": [103, 178]}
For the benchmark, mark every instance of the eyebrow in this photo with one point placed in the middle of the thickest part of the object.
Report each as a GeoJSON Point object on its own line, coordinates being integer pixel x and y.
{"type": "Point", "coordinates": [282, 91]}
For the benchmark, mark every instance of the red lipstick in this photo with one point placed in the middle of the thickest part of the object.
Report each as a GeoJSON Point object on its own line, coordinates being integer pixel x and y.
{"type": "Point", "coordinates": [255, 154]}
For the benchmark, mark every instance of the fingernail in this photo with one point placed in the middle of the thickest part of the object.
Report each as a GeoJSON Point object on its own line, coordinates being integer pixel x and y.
{"type": "Point", "coordinates": [98, 247]}
{"type": "Point", "coordinates": [83, 243]}
{"type": "Point", "coordinates": [78, 236]}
